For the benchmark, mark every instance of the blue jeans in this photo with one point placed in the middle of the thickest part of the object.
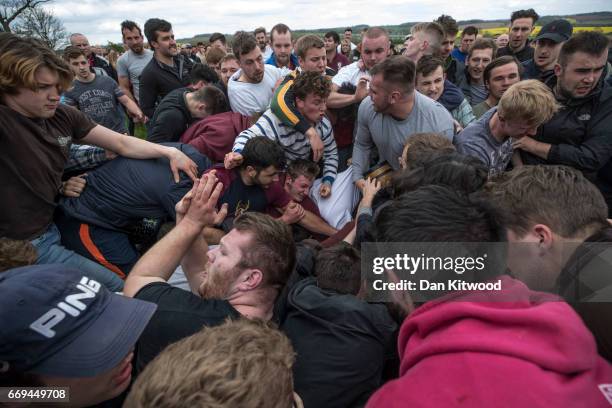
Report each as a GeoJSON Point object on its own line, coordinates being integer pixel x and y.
{"type": "Point", "coordinates": [51, 251]}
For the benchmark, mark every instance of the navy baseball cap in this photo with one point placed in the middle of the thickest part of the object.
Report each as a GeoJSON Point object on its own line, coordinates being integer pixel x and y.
{"type": "Point", "coordinates": [557, 31]}
{"type": "Point", "coordinates": [58, 321]}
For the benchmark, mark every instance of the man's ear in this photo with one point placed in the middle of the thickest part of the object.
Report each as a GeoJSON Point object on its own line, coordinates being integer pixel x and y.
{"type": "Point", "coordinates": [249, 279]}
{"type": "Point", "coordinates": [544, 235]}
{"type": "Point", "coordinates": [299, 103]}
{"type": "Point", "coordinates": [198, 85]}
{"type": "Point", "coordinates": [558, 69]}
{"type": "Point", "coordinates": [300, 61]}
{"type": "Point", "coordinates": [251, 171]}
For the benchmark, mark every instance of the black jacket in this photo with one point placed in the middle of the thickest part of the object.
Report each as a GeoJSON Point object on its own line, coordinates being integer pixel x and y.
{"type": "Point", "coordinates": [531, 71]}
{"type": "Point", "coordinates": [171, 118]}
{"type": "Point", "coordinates": [580, 135]}
{"type": "Point", "coordinates": [158, 80]}
{"type": "Point", "coordinates": [105, 65]}
{"type": "Point", "coordinates": [586, 283]}
{"type": "Point", "coordinates": [523, 55]}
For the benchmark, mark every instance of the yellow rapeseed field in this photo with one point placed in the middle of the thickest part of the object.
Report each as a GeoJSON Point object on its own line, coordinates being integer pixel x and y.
{"type": "Point", "coordinates": [500, 30]}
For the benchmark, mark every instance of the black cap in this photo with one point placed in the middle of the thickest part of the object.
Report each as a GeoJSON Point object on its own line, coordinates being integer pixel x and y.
{"type": "Point", "coordinates": [557, 31]}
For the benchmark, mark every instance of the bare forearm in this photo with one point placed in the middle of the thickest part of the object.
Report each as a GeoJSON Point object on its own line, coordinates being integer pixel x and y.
{"type": "Point", "coordinates": [130, 105]}
{"type": "Point", "coordinates": [316, 224]}
{"type": "Point", "coordinates": [160, 262]}
{"type": "Point", "coordinates": [127, 146]}
{"type": "Point", "coordinates": [337, 100]}
{"type": "Point", "coordinates": [195, 261]}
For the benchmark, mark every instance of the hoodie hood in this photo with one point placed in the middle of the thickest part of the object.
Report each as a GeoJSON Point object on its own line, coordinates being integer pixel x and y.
{"type": "Point", "coordinates": [525, 349]}
{"type": "Point", "coordinates": [451, 97]}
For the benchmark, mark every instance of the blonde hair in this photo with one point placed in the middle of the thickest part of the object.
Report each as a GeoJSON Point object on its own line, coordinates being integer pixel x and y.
{"type": "Point", "coordinates": [434, 34]}
{"type": "Point", "coordinates": [528, 101]}
{"type": "Point", "coordinates": [22, 58]}
{"type": "Point", "coordinates": [241, 363]}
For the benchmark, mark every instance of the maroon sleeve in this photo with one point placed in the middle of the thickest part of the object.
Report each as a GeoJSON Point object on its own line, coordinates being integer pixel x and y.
{"type": "Point", "coordinates": [277, 196]}
{"type": "Point", "coordinates": [78, 124]}
{"type": "Point", "coordinates": [311, 206]}
{"type": "Point", "coordinates": [224, 176]}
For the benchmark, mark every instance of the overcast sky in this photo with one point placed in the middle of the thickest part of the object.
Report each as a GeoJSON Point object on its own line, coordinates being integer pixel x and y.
{"type": "Point", "coordinates": [99, 20]}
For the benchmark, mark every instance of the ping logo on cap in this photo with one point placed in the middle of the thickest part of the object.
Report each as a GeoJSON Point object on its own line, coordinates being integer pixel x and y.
{"type": "Point", "coordinates": [71, 305]}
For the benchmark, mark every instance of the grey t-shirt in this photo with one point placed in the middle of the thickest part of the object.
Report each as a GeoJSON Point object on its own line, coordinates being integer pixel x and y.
{"type": "Point", "coordinates": [131, 65]}
{"type": "Point", "coordinates": [98, 100]}
{"type": "Point", "coordinates": [477, 140]}
{"type": "Point", "coordinates": [388, 135]}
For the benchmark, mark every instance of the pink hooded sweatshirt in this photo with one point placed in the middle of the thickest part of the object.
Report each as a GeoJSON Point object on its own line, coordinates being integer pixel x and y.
{"type": "Point", "coordinates": [530, 351]}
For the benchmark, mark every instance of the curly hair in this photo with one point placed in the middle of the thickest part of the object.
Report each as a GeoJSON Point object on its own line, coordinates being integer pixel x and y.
{"type": "Point", "coordinates": [311, 83]}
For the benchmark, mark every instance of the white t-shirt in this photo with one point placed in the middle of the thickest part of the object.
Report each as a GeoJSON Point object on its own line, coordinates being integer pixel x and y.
{"type": "Point", "coordinates": [349, 73]}
{"type": "Point", "coordinates": [246, 98]}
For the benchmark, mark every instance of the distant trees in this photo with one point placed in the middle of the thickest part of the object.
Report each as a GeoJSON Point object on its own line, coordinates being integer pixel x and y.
{"type": "Point", "coordinates": [28, 17]}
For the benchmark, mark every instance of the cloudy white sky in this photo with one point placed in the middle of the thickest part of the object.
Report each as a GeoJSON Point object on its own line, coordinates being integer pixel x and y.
{"type": "Point", "coordinates": [100, 19]}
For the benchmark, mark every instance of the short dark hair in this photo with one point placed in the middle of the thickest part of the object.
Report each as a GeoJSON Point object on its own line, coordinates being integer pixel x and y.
{"type": "Point", "coordinates": [348, 29]}
{"type": "Point", "coordinates": [588, 42]}
{"type": "Point", "coordinates": [243, 43]}
{"type": "Point", "coordinates": [338, 268]}
{"type": "Point", "coordinates": [303, 167]}
{"type": "Point", "coordinates": [529, 13]}
{"type": "Point", "coordinates": [333, 35]}
{"type": "Point", "coordinates": [469, 30]}
{"type": "Point", "coordinates": [153, 25]}
{"type": "Point", "coordinates": [202, 72]}
{"type": "Point", "coordinates": [311, 82]}
{"type": "Point", "coordinates": [449, 25]}
{"type": "Point", "coordinates": [500, 62]}
{"type": "Point", "coordinates": [214, 98]}
{"type": "Point", "coordinates": [229, 57]}
{"type": "Point", "coordinates": [428, 64]}
{"type": "Point", "coordinates": [215, 37]}
{"type": "Point", "coordinates": [558, 196]}
{"type": "Point", "coordinates": [72, 52]}
{"type": "Point", "coordinates": [482, 44]}
{"type": "Point", "coordinates": [129, 25]}
{"type": "Point", "coordinates": [280, 28]}
{"type": "Point", "coordinates": [420, 148]}
{"type": "Point", "coordinates": [454, 170]}
{"type": "Point", "coordinates": [199, 43]}
{"type": "Point", "coordinates": [259, 30]}
{"type": "Point", "coordinates": [214, 55]}
{"type": "Point", "coordinates": [261, 152]}
{"type": "Point", "coordinates": [435, 214]}
{"type": "Point", "coordinates": [398, 70]}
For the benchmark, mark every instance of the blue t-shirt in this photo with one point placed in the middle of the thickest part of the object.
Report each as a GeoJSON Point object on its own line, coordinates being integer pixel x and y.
{"type": "Point", "coordinates": [460, 56]}
{"type": "Point", "coordinates": [126, 190]}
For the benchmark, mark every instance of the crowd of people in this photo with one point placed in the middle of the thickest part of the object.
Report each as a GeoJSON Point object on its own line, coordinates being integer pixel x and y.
{"type": "Point", "coordinates": [220, 262]}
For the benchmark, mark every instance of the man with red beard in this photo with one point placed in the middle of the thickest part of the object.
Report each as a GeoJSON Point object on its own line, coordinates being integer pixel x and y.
{"type": "Point", "coordinates": [241, 277]}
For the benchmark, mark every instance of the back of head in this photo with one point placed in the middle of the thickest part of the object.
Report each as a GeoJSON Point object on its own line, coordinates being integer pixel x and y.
{"type": "Point", "coordinates": [398, 71]}
{"type": "Point", "coordinates": [483, 44]}
{"type": "Point", "coordinates": [202, 72]}
{"type": "Point", "coordinates": [434, 34]}
{"type": "Point", "coordinates": [241, 363]}
{"type": "Point", "coordinates": [591, 43]}
{"type": "Point", "coordinates": [311, 82]}
{"type": "Point", "coordinates": [454, 170]}
{"type": "Point", "coordinates": [448, 24]}
{"type": "Point", "coordinates": [435, 213]}
{"type": "Point", "coordinates": [153, 25]}
{"type": "Point", "coordinates": [307, 42]}
{"type": "Point", "coordinates": [338, 268]}
{"type": "Point", "coordinates": [261, 152]}
{"type": "Point", "coordinates": [530, 102]}
{"type": "Point", "coordinates": [420, 148]}
{"type": "Point", "coordinates": [213, 98]}
{"type": "Point", "coordinates": [529, 13]}
{"type": "Point", "coordinates": [214, 56]}
{"type": "Point", "coordinates": [271, 249]}
{"type": "Point", "coordinates": [22, 58]}
{"type": "Point", "coordinates": [557, 196]}
{"type": "Point", "coordinates": [243, 43]}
